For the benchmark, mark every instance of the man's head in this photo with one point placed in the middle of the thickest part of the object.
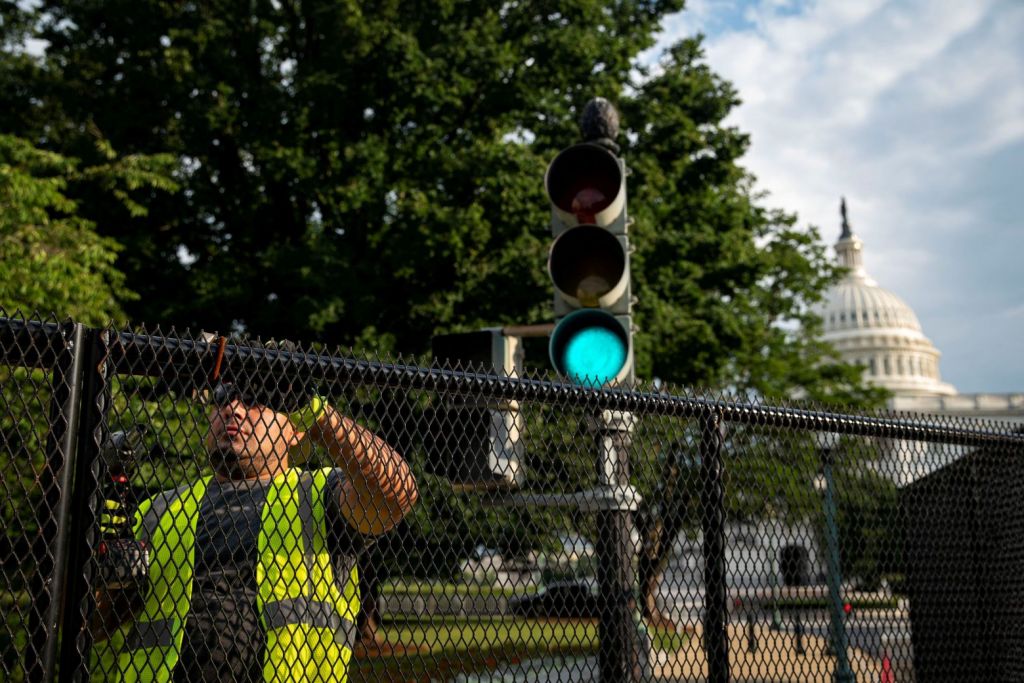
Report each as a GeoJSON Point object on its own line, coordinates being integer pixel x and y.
{"type": "Point", "coordinates": [247, 438]}
{"type": "Point", "coordinates": [250, 433]}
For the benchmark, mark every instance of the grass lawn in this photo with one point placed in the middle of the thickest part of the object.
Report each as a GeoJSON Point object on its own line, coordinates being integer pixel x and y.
{"type": "Point", "coordinates": [421, 649]}
{"type": "Point", "coordinates": [448, 646]}
{"type": "Point", "coordinates": [424, 649]}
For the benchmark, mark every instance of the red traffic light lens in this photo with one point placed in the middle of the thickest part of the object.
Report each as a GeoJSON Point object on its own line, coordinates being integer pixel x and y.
{"type": "Point", "coordinates": [585, 184]}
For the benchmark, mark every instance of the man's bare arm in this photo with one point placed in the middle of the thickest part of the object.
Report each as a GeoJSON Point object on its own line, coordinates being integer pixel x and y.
{"type": "Point", "coordinates": [379, 489]}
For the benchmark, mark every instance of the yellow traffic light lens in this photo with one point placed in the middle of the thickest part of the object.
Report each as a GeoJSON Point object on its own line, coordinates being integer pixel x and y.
{"type": "Point", "coordinates": [589, 266]}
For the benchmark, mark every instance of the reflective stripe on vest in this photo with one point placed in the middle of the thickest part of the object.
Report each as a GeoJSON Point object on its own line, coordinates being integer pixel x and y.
{"type": "Point", "coordinates": [310, 623]}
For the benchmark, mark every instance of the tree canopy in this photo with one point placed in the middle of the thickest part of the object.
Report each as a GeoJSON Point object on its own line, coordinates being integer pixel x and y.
{"type": "Point", "coordinates": [52, 258]}
{"type": "Point", "coordinates": [372, 173]}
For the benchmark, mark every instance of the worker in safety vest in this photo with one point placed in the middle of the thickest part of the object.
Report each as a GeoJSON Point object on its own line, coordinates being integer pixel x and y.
{"type": "Point", "coordinates": [252, 571]}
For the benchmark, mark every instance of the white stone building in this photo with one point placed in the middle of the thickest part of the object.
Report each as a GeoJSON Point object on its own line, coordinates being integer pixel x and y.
{"type": "Point", "coordinates": [871, 326]}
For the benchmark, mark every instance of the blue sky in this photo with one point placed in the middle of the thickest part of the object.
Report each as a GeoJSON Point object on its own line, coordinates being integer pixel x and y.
{"type": "Point", "coordinates": [914, 110]}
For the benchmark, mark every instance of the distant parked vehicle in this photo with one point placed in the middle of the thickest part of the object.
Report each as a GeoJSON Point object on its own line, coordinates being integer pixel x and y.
{"type": "Point", "coordinates": [576, 599]}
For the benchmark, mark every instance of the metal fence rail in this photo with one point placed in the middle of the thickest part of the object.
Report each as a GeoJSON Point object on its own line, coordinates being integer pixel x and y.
{"type": "Point", "coordinates": [753, 541]}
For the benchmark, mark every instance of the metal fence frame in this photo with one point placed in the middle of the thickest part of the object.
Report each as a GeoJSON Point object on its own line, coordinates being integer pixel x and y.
{"type": "Point", "coordinates": [82, 359]}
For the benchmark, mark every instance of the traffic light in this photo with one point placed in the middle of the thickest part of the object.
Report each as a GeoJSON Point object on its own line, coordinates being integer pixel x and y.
{"type": "Point", "coordinates": [592, 342]}
{"type": "Point", "coordinates": [478, 444]}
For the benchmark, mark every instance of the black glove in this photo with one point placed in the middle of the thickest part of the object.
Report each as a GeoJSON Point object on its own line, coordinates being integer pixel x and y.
{"type": "Point", "coordinates": [122, 563]}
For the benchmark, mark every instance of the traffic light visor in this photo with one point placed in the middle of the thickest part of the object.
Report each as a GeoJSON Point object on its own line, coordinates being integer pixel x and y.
{"type": "Point", "coordinates": [585, 184]}
{"type": "Point", "coordinates": [591, 347]}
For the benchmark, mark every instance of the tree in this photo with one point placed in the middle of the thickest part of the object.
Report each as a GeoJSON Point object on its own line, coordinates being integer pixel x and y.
{"type": "Point", "coordinates": [52, 258]}
{"type": "Point", "coordinates": [347, 172]}
{"type": "Point", "coordinates": [733, 287]}
{"type": "Point", "coordinates": [352, 175]}
{"type": "Point", "coordinates": [371, 175]}
{"type": "Point", "coordinates": [54, 263]}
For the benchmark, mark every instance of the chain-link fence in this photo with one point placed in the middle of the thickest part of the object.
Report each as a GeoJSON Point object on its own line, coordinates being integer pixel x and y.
{"type": "Point", "coordinates": [182, 508]}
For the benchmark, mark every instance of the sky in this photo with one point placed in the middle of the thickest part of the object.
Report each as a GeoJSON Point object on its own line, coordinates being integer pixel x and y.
{"type": "Point", "coordinates": [914, 111]}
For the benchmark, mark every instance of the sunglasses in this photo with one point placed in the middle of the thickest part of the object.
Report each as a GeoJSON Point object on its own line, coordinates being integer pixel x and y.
{"type": "Point", "coordinates": [281, 399]}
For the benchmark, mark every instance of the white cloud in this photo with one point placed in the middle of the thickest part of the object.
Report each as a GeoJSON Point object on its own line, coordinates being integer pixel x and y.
{"type": "Point", "coordinates": [914, 110]}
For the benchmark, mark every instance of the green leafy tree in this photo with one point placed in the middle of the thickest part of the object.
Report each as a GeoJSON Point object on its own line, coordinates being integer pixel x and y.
{"type": "Point", "coordinates": [355, 174]}
{"type": "Point", "coordinates": [53, 261]}
{"type": "Point", "coordinates": [348, 171]}
{"type": "Point", "coordinates": [52, 257]}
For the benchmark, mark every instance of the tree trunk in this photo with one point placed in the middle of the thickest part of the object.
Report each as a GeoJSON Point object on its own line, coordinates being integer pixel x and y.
{"type": "Point", "coordinates": [660, 522]}
{"type": "Point", "coordinates": [650, 567]}
{"type": "Point", "coordinates": [650, 592]}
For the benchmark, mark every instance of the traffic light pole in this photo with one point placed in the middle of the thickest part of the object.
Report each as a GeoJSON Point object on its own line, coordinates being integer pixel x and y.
{"type": "Point", "coordinates": [592, 344]}
{"type": "Point", "coordinates": [620, 654]}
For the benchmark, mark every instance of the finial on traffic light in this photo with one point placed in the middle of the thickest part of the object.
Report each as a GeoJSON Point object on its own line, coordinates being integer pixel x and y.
{"type": "Point", "coordinates": [599, 123]}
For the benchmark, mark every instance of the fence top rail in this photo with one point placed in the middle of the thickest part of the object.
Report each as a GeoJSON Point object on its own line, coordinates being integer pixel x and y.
{"type": "Point", "coordinates": [130, 351]}
{"type": "Point", "coordinates": [134, 353]}
{"type": "Point", "coordinates": [34, 343]}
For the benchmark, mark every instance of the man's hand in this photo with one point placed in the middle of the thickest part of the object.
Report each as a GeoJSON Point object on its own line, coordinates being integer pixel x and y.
{"type": "Point", "coordinates": [123, 577]}
{"type": "Point", "coordinates": [305, 418]}
{"type": "Point", "coordinates": [302, 421]}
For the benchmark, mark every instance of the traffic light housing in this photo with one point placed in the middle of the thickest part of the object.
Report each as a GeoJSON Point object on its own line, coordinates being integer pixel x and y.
{"type": "Point", "coordinates": [487, 350]}
{"type": "Point", "coordinates": [592, 342]}
{"type": "Point", "coordinates": [478, 445]}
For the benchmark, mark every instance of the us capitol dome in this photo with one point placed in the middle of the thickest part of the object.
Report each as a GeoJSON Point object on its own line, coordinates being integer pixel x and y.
{"type": "Point", "coordinates": [872, 327]}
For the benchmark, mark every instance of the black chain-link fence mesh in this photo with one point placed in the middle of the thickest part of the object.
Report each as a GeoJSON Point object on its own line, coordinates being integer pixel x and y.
{"type": "Point", "coordinates": [252, 511]}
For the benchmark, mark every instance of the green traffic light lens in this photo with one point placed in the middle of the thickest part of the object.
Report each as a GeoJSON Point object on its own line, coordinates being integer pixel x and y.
{"type": "Point", "coordinates": [590, 347]}
{"type": "Point", "coordinates": [594, 356]}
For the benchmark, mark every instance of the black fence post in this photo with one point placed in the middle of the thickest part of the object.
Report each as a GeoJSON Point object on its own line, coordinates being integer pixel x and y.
{"type": "Point", "coordinates": [54, 512]}
{"type": "Point", "coordinates": [75, 641]}
{"type": "Point", "coordinates": [712, 494]}
{"type": "Point", "coordinates": [619, 659]}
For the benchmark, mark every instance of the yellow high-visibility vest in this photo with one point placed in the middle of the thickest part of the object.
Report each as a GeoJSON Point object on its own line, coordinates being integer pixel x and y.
{"type": "Point", "coordinates": [309, 621]}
